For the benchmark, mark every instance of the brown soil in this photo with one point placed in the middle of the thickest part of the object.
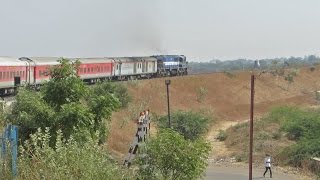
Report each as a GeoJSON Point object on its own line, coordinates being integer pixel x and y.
{"type": "Point", "coordinates": [220, 95]}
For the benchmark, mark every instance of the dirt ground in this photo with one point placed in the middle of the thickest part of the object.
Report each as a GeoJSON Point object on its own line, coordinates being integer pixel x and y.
{"type": "Point", "coordinates": [220, 95]}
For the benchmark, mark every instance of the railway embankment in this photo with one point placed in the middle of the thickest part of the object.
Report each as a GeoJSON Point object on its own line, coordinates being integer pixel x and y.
{"type": "Point", "coordinates": [221, 95]}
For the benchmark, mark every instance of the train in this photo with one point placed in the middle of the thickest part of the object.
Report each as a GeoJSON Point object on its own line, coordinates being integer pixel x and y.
{"type": "Point", "coordinates": [33, 71]}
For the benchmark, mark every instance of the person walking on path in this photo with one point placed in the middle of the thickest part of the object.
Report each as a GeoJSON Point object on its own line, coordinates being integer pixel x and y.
{"type": "Point", "coordinates": [267, 164]}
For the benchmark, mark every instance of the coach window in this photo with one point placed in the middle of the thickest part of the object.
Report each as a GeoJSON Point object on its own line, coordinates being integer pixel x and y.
{"type": "Point", "coordinates": [0, 75]}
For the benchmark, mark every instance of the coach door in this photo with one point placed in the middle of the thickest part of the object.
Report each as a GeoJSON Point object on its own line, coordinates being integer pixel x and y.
{"type": "Point", "coordinates": [135, 68]}
{"type": "Point", "coordinates": [30, 76]}
{"type": "Point", "coordinates": [143, 66]}
{"type": "Point", "coordinates": [117, 71]}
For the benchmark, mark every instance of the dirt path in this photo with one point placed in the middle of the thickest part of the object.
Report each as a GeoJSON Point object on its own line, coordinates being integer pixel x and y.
{"type": "Point", "coordinates": [219, 150]}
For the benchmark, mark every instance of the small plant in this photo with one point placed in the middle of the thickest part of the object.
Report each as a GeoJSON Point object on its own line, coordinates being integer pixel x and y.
{"type": "Point", "coordinates": [312, 68]}
{"type": "Point", "coordinates": [222, 135]}
{"type": "Point", "coordinates": [276, 135]}
{"type": "Point", "coordinates": [229, 74]}
{"type": "Point", "coordinates": [240, 158]}
{"type": "Point", "coordinates": [201, 93]}
{"type": "Point", "coordinates": [133, 83]}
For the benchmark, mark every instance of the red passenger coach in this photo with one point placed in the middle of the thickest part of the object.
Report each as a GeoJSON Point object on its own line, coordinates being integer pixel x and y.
{"type": "Point", "coordinates": [92, 69]}
{"type": "Point", "coordinates": [13, 72]}
{"type": "Point", "coordinates": [39, 68]}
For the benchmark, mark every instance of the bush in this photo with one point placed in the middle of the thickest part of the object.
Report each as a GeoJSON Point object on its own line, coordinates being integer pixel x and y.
{"type": "Point", "coordinates": [303, 127]}
{"type": "Point", "coordinates": [67, 160]}
{"type": "Point", "coordinates": [302, 151]}
{"type": "Point", "coordinates": [190, 125]}
{"type": "Point", "coordinates": [170, 156]}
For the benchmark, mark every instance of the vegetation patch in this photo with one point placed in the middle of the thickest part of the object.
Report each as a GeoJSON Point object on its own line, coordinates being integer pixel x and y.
{"type": "Point", "coordinates": [291, 135]}
{"type": "Point", "coordinates": [170, 156]}
{"type": "Point", "coordinates": [222, 135]}
{"type": "Point", "coordinates": [191, 125]}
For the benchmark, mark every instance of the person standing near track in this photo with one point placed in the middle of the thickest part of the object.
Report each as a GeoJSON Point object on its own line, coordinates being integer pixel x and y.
{"type": "Point", "coordinates": [267, 164]}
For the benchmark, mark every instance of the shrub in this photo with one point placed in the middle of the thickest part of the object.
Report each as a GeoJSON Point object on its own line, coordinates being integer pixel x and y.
{"type": "Point", "coordinates": [303, 127]}
{"type": "Point", "coordinates": [301, 151]}
{"type": "Point", "coordinates": [67, 160]}
{"type": "Point", "coordinates": [190, 125]}
{"type": "Point", "coordinates": [170, 156]}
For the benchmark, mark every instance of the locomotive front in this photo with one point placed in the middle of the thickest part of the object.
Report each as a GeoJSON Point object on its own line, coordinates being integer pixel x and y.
{"type": "Point", "coordinates": [172, 65]}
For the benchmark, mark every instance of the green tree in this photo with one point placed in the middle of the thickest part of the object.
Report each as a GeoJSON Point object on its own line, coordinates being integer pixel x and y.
{"type": "Point", "coordinates": [65, 86]}
{"type": "Point", "coordinates": [190, 125]}
{"type": "Point", "coordinates": [64, 103]}
{"type": "Point", "coordinates": [117, 89]}
{"type": "Point", "coordinates": [30, 112]}
{"type": "Point", "coordinates": [170, 156]}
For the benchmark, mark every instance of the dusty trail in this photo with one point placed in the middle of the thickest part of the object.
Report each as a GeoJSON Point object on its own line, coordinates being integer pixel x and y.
{"type": "Point", "coordinates": [219, 150]}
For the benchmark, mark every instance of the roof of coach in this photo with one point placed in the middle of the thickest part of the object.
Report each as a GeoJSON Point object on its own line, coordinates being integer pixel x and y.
{"type": "Point", "coordinates": [11, 61]}
{"type": "Point", "coordinates": [93, 60]}
{"type": "Point", "coordinates": [134, 59]}
{"type": "Point", "coordinates": [44, 60]}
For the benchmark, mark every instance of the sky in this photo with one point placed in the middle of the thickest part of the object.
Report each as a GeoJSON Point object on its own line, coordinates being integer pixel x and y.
{"type": "Point", "coordinates": [200, 29]}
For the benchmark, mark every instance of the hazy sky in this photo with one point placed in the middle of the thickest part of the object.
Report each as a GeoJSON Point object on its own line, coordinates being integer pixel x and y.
{"type": "Point", "coordinates": [199, 29]}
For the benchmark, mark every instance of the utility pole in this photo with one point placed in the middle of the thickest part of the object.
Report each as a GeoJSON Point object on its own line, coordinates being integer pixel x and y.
{"type": "Point", "coordinates": [251, 126]}
{"type": "Point", "coordinates": [168, 82]}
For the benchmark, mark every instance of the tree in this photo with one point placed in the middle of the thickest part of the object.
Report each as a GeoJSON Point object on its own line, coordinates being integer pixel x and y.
{"type": "Point", "coordinates": [190, 125]}
{"type": "Point", "coordinates": [64, 103]}
{"type": "Point", "coordinates": [117, 89]}
{"type": "Point", "coordinates": [65, 86]}
{"type": "Point", "coordinates": [170, 156]}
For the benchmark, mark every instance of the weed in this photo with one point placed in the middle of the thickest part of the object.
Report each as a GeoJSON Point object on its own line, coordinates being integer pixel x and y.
{"type": "Point", "coordinates": [222, 135]}
{"type": "Point", "coordinates": [229, 74]}
{"type": "Point", "coordinates": [133, 83]}
{"type": "Point", "coordinates": [276, 135]}
{"type": "Point", "coordinates": [201, 93]}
